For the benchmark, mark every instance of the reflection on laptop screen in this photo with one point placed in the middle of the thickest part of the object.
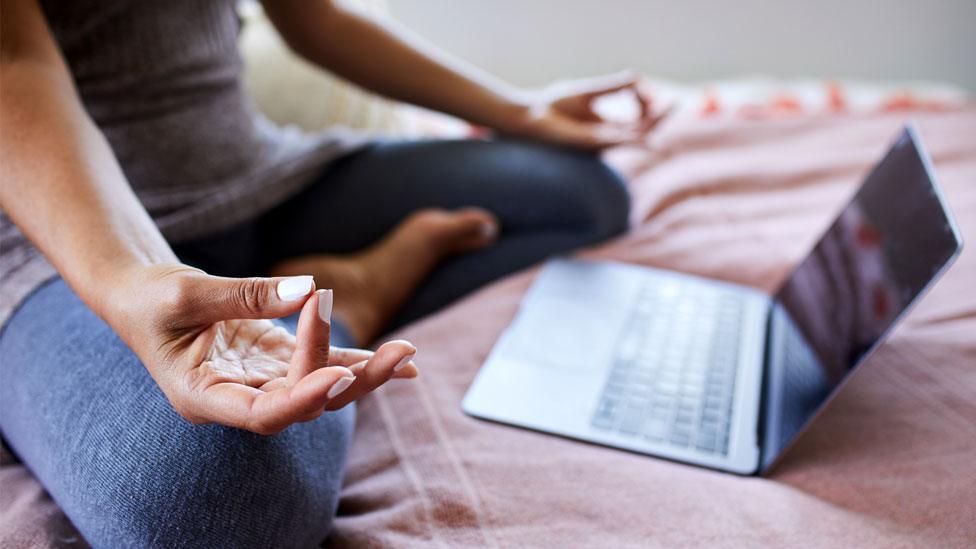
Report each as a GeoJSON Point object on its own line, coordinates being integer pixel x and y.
{"type": "Point", "coordinates": [877, 257]}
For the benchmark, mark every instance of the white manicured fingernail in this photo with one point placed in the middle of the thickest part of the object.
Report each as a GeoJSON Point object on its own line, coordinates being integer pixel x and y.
{"type": "Point", "coordinates": [488, 230]}
{"type": "Point", "coordinates": [325, 305]}
{"type": "Point", "coordinates": [403, 362]}
{"type": "Point", "coordinates": [294, 288]}
{"type": "Point", "coordinates": [340, 386]}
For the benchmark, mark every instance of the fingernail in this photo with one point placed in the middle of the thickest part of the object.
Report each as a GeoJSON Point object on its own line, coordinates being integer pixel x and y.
{"type": "Point", "coordinates": [403, 361]}
{"type": "Point", "coordinates": [325, 305]}
{"type": "Point", "coordinates": [294, 288]}
{"type": "Point", "coordinates": [340, 386]}
{"type": "Point", "coordinates": [488, 230]}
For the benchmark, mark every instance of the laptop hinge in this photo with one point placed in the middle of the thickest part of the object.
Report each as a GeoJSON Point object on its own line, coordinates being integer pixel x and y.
{"type": "Point", "coordinates": [762, 421]}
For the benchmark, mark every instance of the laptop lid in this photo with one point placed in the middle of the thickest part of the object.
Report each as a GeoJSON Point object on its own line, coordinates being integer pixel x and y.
{"type": "Point", "coordinates": [886, 247]}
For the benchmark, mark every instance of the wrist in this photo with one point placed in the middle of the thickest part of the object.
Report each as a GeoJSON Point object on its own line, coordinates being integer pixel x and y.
{"type": "Point", "coordinates": [511, 112]}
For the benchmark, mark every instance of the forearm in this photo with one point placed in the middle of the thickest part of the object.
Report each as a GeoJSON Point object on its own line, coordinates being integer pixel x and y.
{"type": "Point", "coordinates": [63, 187]}
{"type": "Point", "coordinates": [384, 58]}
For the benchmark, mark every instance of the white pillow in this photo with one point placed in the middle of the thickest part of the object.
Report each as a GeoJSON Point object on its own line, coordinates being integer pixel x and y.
{"type": "Point", "coordinates": [289, 90]}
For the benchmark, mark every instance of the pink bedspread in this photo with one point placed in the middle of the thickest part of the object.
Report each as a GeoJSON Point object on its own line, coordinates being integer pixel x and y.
{"type": "Point", "coordinates": [892, 462]}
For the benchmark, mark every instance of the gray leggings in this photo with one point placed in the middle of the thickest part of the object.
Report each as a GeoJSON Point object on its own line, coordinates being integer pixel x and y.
{"type": "Point", "coordinates": [80, 410]}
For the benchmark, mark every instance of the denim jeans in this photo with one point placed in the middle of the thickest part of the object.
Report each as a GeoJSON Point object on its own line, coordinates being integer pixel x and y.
{"type": "Point", "coordinates": [85, 416]}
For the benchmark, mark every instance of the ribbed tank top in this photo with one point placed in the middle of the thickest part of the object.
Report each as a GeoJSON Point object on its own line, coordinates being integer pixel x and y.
{"type": "Point", "coordinates": [162, 80]}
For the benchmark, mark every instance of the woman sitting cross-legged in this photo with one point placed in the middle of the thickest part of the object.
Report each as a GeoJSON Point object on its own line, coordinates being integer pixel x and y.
{"type": "Point", "coordinates": [155, 230]}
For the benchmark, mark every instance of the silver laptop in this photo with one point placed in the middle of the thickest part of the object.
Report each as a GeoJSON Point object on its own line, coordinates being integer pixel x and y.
{"type": "Point", "coordinates": [711, 373]}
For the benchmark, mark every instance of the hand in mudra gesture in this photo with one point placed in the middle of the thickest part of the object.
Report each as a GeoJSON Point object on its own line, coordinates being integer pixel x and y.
{"type": "Point", "coordinates": [565, 113]}
{"type": "Point", "coordinates": [208, 344]}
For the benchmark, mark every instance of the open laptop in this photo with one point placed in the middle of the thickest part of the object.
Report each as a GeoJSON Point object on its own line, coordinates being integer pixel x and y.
{"type": "Point", "coordinates": [712, 373]}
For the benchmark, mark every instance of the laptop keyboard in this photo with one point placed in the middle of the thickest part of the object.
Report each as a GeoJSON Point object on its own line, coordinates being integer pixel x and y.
{"type": "Point", "coordinates": [673, 375]}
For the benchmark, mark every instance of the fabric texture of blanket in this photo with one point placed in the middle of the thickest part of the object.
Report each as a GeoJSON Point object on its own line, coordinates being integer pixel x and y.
{"type": "Point", "coordinates": [889, 464]}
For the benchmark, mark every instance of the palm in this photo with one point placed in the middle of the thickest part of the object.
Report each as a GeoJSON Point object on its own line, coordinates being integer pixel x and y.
{"type": "Point", "coordinates": [256, 375]}
{"type": "Point", "coordinates": [254, 353]}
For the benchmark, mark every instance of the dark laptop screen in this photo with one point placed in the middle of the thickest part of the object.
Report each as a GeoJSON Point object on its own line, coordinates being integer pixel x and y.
{"type": "Point", "coordinates": [880, 253]}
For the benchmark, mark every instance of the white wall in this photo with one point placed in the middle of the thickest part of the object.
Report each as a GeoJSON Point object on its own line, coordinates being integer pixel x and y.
{"type": "Point", "coordinates": [534, 41]}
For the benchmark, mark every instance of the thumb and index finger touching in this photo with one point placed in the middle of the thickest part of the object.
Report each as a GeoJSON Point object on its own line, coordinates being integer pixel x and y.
{"type": "Point", "coordinates": [311, 382]}
{"type": "Point", "coordinates": [604, 134]}
{"type": "Point", "coordinates": [221, 298]}
{"type": "Point", "coordinates": [596, 87]}
{"type": "Point", "coordinates": [275, 297]}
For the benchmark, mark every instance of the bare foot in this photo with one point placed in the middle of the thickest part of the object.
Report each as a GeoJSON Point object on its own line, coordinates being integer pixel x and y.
{"type": "Point", "coordinates": [371, 285]}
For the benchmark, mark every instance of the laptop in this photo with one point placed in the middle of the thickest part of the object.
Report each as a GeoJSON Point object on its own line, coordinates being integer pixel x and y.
{"type": "Point", "coordinates": [712, 373]}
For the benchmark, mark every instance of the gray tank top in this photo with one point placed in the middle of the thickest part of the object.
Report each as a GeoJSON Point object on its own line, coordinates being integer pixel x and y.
{"type": "Point", "coordinates": [162, 80]}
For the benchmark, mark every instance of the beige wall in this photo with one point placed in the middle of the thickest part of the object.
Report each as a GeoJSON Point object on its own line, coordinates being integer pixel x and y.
{"type": "Point", "coordinates": [533, 41]}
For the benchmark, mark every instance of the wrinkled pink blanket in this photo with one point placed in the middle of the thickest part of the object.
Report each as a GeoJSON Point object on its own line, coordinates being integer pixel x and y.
{"type": "Point", "coordinates": [892, 462]}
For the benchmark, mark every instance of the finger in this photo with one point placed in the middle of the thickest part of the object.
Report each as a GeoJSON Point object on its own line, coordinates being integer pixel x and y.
{"type": "Point", "coordinates": [610, 135]}
{"type": "Point", "coordinates": [654, 120]}
{"type": "Point", "coordinates": [392, 357]}
{"type": "Point", "coordinates": [312, 337]}
{"type": "Point", "coordinates": [340, 356]}
{"type": "Point", "coordinates": [632, 81]}
{"type": "Point", "coordinates": [244, 407]}
{"type": "Point", "coordinates": [312, 416]}
{"type": "Point", "coordinates": [579, 107]}
{"type": "Point", "coordinates": [644, 102]}
{"type": "Point", "coordinates": [603, 85]}
{"type": "Point", "coordinates": [407, 371]}
{"type": "Point", "coordinates": [482, 228]}
{"type": "Point", "coordinates": [645, 111]}
{"type": "Point", "coordinates": [210, 299]}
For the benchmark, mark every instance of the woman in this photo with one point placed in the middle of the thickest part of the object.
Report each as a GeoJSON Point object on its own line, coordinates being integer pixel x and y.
{"type": "Point", "coordinates": [125, 131]}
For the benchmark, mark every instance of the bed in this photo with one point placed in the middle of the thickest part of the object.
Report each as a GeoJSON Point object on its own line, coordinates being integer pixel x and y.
{"type": "Point", "coordinates": [892, 462]}
{"type": "Point", "coordinates": [734, 195]}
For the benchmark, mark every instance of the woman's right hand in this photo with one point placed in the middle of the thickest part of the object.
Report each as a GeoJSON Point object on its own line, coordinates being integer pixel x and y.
{"type": "Point", "coordinates": [208, 344]}
{"type": "Point", "coordinates": [204, 339]}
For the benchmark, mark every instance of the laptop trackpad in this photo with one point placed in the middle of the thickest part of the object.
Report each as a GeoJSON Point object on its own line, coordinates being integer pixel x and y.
{"type": "Point", "coordinates": [571, 320]}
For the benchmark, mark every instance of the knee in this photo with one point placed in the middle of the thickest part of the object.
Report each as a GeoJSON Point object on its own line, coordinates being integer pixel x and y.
{"type": "Point", "coordinates": [228, 488]}
{"type": "Point", "coordinates": [128, 471]}
{"type": "Point", "coordinates": [604, 200]}
{"type": "Point", "coordinates": [590, 197]}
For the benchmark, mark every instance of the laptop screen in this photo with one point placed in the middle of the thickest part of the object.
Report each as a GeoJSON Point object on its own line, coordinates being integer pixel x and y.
{"type": "Point", "coordinates": [884, 248]}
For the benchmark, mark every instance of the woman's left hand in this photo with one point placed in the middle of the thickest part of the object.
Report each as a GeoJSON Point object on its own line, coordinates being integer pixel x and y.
{"type": "Point", "coordinates": [564, 113]}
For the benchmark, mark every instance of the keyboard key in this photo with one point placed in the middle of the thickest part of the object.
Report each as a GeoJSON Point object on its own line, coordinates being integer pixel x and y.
{"type": "Point", "coordinates": [656, 428]}
{"type": "Point", "coordinates": [603, 421]}
{"type": "Point", "coordinates": [631, 424]}
{"type": "Point", "coordinates": [641, 378]}
{"type": "Point", "coordinates": [710, 428]}
{"type": "Point", "coordinates": [707, 443]}
{"type": "Point", "coordinates": [660, 410]}
{"type": "Point", "coordinates": [667, 388]}
{"type": "Point", "coordinates": [712, 416]}
{"type": "Point", "coordinates": [680, 439]}
{"type": "Point", "coordinates": [667, 401]}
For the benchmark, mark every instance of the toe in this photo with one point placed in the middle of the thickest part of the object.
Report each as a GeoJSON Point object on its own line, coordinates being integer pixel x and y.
{"type": "Point", "coordinates": [459, 230]}
{"type": "Point", "coordinates": [473, 228]}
